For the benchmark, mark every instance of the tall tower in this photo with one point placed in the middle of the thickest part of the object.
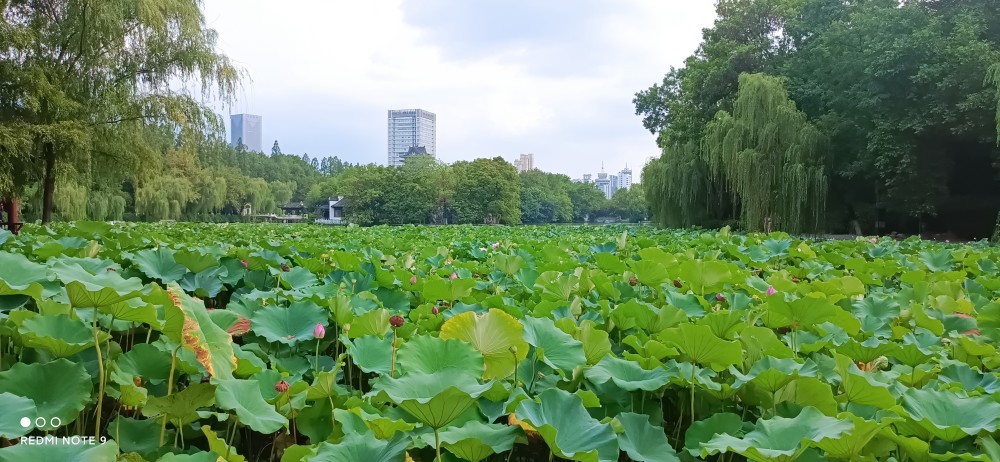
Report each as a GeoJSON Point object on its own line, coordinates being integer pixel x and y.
{"type": "Point", "coordinates": [411, 128]}
{"type": "Point", "coordinates": [525, 162]}
{"type": "Point", "coordinates": [625, 178]}
{"type": "Point", "coordinates": [248, 130]}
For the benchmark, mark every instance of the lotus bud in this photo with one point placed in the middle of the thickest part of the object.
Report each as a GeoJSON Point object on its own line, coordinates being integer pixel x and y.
{"type": "Point", "coordinates": [413, 279]}
{"type": "Point", "coordinates": [633, 281]}
{"type": "Point", "coordinates": [513, 349]}
{"type": "Point", "coordinates": [454, 275]}
{"type": "Point", "coordinates": [285, 268]}
{"type": "Point", "coordinates": [719, 297]}
{"type": "Point", "coordinates": [397, 321]}
{"type": "Point", "coordinates": [319, 331]}
{"type": "Point", "coordinates": [435, 311]}
{"type": "Point", "coordinates": [281, 386]}
{"type": "Point", "coordinates": [677, 283]}
{"type": "Point", "coordinates": [771, 291]}
{"type": "Point", "coordinates": [347, 328]}
{"type": "Point", "coordinates": [244, 263]}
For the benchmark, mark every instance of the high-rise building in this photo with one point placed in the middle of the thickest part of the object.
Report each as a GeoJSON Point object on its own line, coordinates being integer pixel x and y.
{"type": "Point", "coordinates": [525, 162]}
{"type": "Point", "coordinates": [411, 128]}
{"type": "Point", "coordinates": [246, 129]}
{"type": "Point", "coordinates": [625, 178]}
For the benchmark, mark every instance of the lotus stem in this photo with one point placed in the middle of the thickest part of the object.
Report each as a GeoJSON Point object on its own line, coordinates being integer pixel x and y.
{"type": "Point", "coordinates": [231, 435]}
{"type": "Point", "coordinates": [392, 368]}
{"type": "Point", "coordinates": [100, 374]}
{"type": "Point", "coordinates": [170, 389]}
{"type": "Point", "coordinates": [437, 444]}
{"type": "Point", "coordinates": [317, 356]}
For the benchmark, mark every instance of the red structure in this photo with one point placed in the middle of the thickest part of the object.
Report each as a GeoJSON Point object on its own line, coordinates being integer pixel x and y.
{"type": "Point", "coordinates": [10, 208]}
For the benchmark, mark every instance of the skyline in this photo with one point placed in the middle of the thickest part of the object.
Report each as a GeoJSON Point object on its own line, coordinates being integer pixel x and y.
{"type": "Point", "coordinates": [504, 78]}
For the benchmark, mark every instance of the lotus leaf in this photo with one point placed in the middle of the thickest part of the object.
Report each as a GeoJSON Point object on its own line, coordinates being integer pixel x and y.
{"type": "Point", "coordinates": [627, 375]}
{"type": "Point", "coordinates": [61, 335]}
{"type": "Point", "coordinates": [644, 442]}
{"type": "Point", "coordinates": [427, 355]}
{"type": "Point", "coordinates": [357, 447]}
{"type": "Point", "coordinates": [434, 399]}
{"type": "Point", "coordinates": [568, 429]}
{"type": "Point", "coordinates": [497, 335]}
{"type": "Point", "coordinates": [244, 398]}
{"type": "Point", "coordinates": [780, 438]}
{"type": "Point", "coordinates": [13, 409]}
{"type": "Point", "coordinates": [63, 452]}
{"type": "Point", "coordinates": [60, 389]}
{"type": "Point", "coordinates": [949, 416]}
{"type": "Point", "coordinates": [555, 348]}
{"type": "Point", "coordinates": [288, 325]}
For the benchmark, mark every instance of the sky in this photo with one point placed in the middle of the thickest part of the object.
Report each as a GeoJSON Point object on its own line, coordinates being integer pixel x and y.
{"type": "Point", "coordinates": [554, 78]}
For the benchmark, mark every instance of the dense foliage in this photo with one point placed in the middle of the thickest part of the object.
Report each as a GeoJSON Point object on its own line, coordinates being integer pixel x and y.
{"type": "Point", "coordinates": [899, 111]}
{"type": "Point", "coordinates": [259, 342]}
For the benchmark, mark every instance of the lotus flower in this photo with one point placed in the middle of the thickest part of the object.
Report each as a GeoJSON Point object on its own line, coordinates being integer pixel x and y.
{"type": "Point", "coordinates": [454, 275]}
{"type": "Point", "coordinates": [319, 331]}
{"type": "Point", "coordinates": [413, 279]}
{"type": "Point", "coordinates": [396, 321]}
{"type": "Point", "coordinates": [281, 386]}
{"type": "Point", "coordinates": [244, 263]}
{"type": "Point", "coordinates": [874, 240]}
{"type": "Point", "coordinates": [720, 297]}
{"type": "Point", "coordinates": [771, 291]}
{"type": "Point", "coordinates": [435, 311]}
{"type": "Point", "coordinates": [495, 245]}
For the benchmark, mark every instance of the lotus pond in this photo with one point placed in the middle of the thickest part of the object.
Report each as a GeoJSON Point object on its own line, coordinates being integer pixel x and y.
{"type": "Point", "coordinates": [188, 342]}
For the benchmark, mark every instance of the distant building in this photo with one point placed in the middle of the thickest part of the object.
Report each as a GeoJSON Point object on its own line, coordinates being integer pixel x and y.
{"type": "Point", "coordinates": [525, 162]}
{"type": "Point", "coordinates": [247, 129]}
{"type": "Point", "coordinates": [411, 128]}
{"type": "Point", "coordinates": [625, 178]}
{"type": "Point", "coordinates": [332, 213]}
{"type": "Point", "coordinates": [294, 208]}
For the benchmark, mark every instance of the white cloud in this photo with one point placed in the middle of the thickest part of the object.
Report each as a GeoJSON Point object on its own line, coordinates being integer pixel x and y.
{"type": "Point", "coordinates": [324, 73]}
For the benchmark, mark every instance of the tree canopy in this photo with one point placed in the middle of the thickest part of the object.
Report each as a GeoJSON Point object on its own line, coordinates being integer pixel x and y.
{"type": "Point", "coordinates": [899, 112]}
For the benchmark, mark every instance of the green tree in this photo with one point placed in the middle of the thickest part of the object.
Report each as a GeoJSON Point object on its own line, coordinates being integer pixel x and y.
{"type": "Point", "coordinates": [275, 150]}
{"type": "Point", "coordinates": [90, 77]}
{"type": "Point", "coordinates": [586, 199]}
{"type": "Point", "coordinates": [629, 203]}
{"type": "Point", "coordinates": [545, 197]}
{"type": "Point", "coordinates": [487, 191]}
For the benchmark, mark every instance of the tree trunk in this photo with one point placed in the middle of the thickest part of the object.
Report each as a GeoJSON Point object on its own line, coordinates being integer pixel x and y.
{"type": "Point", "coordinates": [49, 184]}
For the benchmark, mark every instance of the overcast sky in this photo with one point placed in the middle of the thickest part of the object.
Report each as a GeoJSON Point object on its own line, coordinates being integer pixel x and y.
{"type": "Point", "coordinates": [554, 78]}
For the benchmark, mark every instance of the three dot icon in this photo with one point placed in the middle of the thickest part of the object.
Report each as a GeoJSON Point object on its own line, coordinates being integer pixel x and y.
{"type": "Point", "coordinates": [25, 422]}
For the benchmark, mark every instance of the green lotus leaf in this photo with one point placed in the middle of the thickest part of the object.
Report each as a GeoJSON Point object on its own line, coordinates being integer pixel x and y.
{"type": "Point", "coordinates": [60, 335]}
{"type": "Point", "coordinates": [63, 452]}
{"type": "Point", "coordinates": [568, 428]}
{"type": "Point", "coordinates": [807, 311]}
{"type": "Point", "coordinates": [181, 406]}
{"type": "Point", "coordinates": [288, 325]}
{"type": "Point", "coordinates": [244, 397]}
{"type": "Point", "coordinates": [649, 273]}
{"type": "Point", "coordinates": [143, 360]}
{"type": "Point", "coordinates": [220, 447]}
{"type": "Point", "coordinates": [448, 290]}
{"type": "Point", "coordinates": [703, 347]}
{"type": "Point", "coordinates": [205, 283]}
{"type": "Point", "coordinates": [759, 342]}
{"type": "Point", "coordinates": [89, 290]}
{"type": "Point", "coordinates": [13, 409]}
{"type": "Point", "coordinates": [779, 438]}
{"type": "Point", "coordinates": [556, 348]}
{"type": "Point", "coordinates": [18, 275]}
{"type": "Point", "coordinates": [627, 375]}
{"type": "Point", "coordinates": [937, 260]}
{"type": "Point", "coordinates": [201, 456]}
{"type": "Point", "coordinates": [949, 416]}
{"type": "Point", "coordinates": [705, 277]}
{"type": "Point", "coordinates": [60, 389]}
{"type": "Point", "coordinates": [702, 431]}
{"type": "Point", "coordinates": [137, 435]}
{"type": "Point", "coordinates": [159, 264]}
{"type": "Point", "coordinates": [496, 334]}
{"type": "Point", "coordinates": [724, 323]}
{"type": "Point", "coordinates": [374, 322]}
{"type": "Point", "coordinates": [382, 427]}
{"type": "Point", "coordinates": [644, 442]}
{"type": "Point", "coordinates": [298, 278]}
{"type": "Point", "coordinates": [596, 342]}
{"type": "Point", "coordinates": [425, 354]}
{"type": "Point", "coordinates": [851, 446]}
{"type": "Point", "coordinates": [861, 388]}
{"type": "Point", "coordinates": [371, 353]}
{"type": "Point", "coordinates": [434, 399]}
{"type": "Point", "coordinates": [475, 441]}
{"type": "Point", "coordinates": [771, 374]}
{"type": "Point", "coordinates": [132, 310]}
{"type": "Point", "coordinates": [196, 260]}
{"type": "Point", "coordinates": [807, 391]}
{"type": "Point", "coordinates": [357, 447]}
{"type": "Point", "coordinates": [869, 350]}
{"type": "Point", "coordinates": [970, 379]}
{"type": "Point", "coordinates": [189, 324]}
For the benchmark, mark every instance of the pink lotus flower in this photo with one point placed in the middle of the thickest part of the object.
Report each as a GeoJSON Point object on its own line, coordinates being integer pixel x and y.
{"type": "Point", "coordinates": [244, 263]}
{"type": "Point", "coordinates": [413, 279]}
{"type": "Point", "coordinates": [495, 245]}
{"type": "Point", "coordinates": [972, 332]}
{"type": "Point", "coordinates": [435, 311]}
{"type": "Point", "coordinates": [454, 275]}
{"type": "Point", "coordinates": [874, 240]}
{"type": "Point", "coordinates": [281, 386]}
{"type": "Point", "coordinates": [319, 331]}
{"type": "Point", "coordinates": [771, 291]}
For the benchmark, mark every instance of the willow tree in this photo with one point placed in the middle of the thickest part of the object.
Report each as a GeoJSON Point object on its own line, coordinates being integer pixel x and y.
{"type": "Point", "coordinates": [90, 76]}
{"type": "Point", "coordinates": [769, 157]}
{"type": "Point", "coordinates": [676, 186]}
